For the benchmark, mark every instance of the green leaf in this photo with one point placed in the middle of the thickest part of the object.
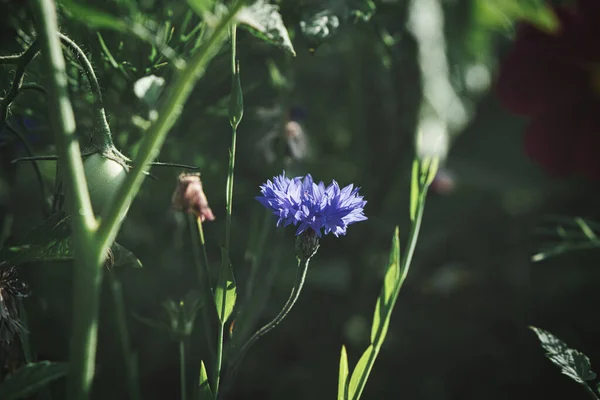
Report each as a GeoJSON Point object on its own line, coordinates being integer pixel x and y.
{"type": "Point", "coordinates": [30, 378]}
{"type": "Point", "coordinates": [360, 374]}
{"type": "Point", "coordinates": [501, 14]}
{"type": "Point", "coordinates": [343, 376]}
{"type": "Point", "coordinates": [201, 6]}
{"type": "Point", "coordinates": [51, 241]}
{"type": "Point", "coordinates": [148, 89]}
{"type": "Point", "coordinates": [93, 17]}
{"type": "Point", "coordinates": [572, 363]}
{"type": "Point", "coordinates": [204, 392]}
{"type": "Point", "coordinates": [387, 297]}
{"type": "Point", "coordinates": [264, 21]}
{"type": "Point", "coordinates": [225, 292]}
{"type": "Point", "coordinates": [319, 24]}
{"type": "Point", "coordinates": [415, 190]}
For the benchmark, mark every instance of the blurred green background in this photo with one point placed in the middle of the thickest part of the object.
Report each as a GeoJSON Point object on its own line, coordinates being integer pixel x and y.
{"type": "Point", "coordinates": [459, 330]}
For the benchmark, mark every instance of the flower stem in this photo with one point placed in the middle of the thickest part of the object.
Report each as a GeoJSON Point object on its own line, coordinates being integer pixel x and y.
{"type": "Point", "coordinates": [182, 368]}
{"type": "Point", "coordinates": [195, 225]}
{"type": "Point", "coordinates": [121, 321]}
{"type": "Point", "coordinates": [88, 255]}
{"type": "Point", "coordinates": [234, 121]}
{"type": "Point", "coordinates": [294, 295]}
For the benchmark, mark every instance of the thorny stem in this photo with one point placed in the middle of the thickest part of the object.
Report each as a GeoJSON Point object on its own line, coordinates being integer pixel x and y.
{"type": "Point", "coordinates": [88, 255]}
{"type": "Point", "coordinates": [103, 134]}
{"type": "Point", "coordinates": [294, 295]}
{"type": "Point", "coordinates": [22, 61]}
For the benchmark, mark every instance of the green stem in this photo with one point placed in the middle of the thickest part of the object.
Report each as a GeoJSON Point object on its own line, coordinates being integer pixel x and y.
{"type": "Point", "coordinates": [121, 320]}
{"type": "Point", "coordinates": [591, 391]}
{"type": "Point", "coordinates": [195, 226]}
{"type": "Point", "coordinates": [294, 295]}
{"type": "Point", "coordinates": [404, 267]}
{"type": "Point", "coordinates": [219, 358]}
{"type": "Point", "coordinates": [167, 115]}
{"type": "Point", "coordinates": [182, 368]}
{"type": "Point", "coordinates": [88, 256]}
{"type": "Point", "coordinates": [229, 191]}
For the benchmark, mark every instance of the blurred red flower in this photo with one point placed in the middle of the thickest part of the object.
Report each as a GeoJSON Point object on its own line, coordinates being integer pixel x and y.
{"type": "Point", "coordinates": [554, 78]}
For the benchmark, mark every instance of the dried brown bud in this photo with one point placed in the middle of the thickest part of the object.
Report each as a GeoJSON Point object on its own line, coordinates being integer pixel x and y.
{"type": "Point", "coordinates": [190, 198]}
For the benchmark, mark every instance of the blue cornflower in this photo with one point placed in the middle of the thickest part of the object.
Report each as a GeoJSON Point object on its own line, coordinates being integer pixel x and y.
{"type": "Point", "coordinates": [303, 203]}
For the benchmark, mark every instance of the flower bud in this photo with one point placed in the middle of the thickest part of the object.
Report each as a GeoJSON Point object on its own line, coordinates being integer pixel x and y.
{"type": "Point", "coordinates": [307, 244]}
{"type": "Point", "coordinates": [190, 198]}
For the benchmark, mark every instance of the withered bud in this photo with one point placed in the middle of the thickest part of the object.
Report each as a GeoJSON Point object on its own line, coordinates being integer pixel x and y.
{"type": "Point", "coordinates": [190, 198]}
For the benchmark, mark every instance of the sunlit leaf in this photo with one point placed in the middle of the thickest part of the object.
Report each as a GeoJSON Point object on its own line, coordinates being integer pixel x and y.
{"type": "Point", "coordinates": [321, 23]}
{"type": "Point", "coordinates": [30, 378]}
{"type": "Point", "coordinates": [343, 376]}
{"type": "Point", "coordinates": [201, 6]}
{"type": "Point", "coordinates": [148, 89]}
{"type": "Point", "coordinates": [225, 292]}
{"type": "Point", "coordinates": [320, 26]}
{"type": "Point", "coordinates": [501, 14]}
{"type": "Point", "coordinates": [264, 21]}
{"type": "Point", "coordinates": [385, 302]}
{"type": "Point", "coordinates": [360, 374]}
{"type": "Point", "coordinates": [204, 391]}
{"type": "Point", "coordinates": [93, 17]}
{"type": "Point", "coordinates": [571, 362]}
{"type": "Point", "coordinates": [414, 190]}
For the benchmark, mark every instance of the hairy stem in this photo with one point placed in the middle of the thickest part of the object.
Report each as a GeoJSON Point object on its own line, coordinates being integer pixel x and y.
{"type": "Point", "coordinates": [103, 134]}
{"type": "Point", "coordinates": [88, 257]}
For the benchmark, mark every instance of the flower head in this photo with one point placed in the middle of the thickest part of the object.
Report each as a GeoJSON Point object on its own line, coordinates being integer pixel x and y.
{"type": "Point", "coordinates": [189, 197]}
{"type": "Point", "coordinates": [306, 204]}
{"type": "Point", "coordinates": [553, 78]}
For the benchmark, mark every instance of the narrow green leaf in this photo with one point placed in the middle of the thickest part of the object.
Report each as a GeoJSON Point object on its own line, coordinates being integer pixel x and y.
{"type": "Point", "coordinates": [225, 292]}
{"type": "Point", "coordinates": [585, 228]}
{"type": "Point", "coordinates": [201, 6]}
{"type": "Point", "coordinates": [385, 302]}
{"type": "Point", "coordinates": [343, 376]}
{"type": "Point", "coordinates": [236, 102]}
{"type": "Point", "coordinates": [264, 21]}
{"type": "Point", "coordinates": [30, 378]}
{"type": "Point", "coordinates": [414, 190]}
{"type": "Point", "coordinates": [93, 17]}
{"type": "Point", "coordinates": [360, 374]}
{"type": "Point", "coordinates": [431, 171]}
{"type": "Point", "coordinates": [204, 392]}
